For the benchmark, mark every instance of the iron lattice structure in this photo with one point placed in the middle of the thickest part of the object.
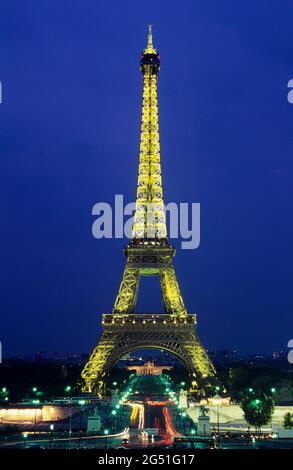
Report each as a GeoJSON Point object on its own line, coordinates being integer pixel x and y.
{"type": "Point", "coordinates": [149, 253]}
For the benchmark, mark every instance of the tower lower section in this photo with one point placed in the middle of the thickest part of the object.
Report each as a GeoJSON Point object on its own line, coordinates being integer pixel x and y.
{"type": "Point", "coordinates": [128, 332]}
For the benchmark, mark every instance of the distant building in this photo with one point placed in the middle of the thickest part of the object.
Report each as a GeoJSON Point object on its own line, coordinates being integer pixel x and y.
{"type": "Point", "coordinates": [223, 357]}
{"type": "Point", "coordinates": [40, 356]}
{"type": "Point", "coordinates": [279, 356]}
{"type": "Point", "coordinates": [256, 359]}
{"type": "Point", "coordinates": [149, 368]}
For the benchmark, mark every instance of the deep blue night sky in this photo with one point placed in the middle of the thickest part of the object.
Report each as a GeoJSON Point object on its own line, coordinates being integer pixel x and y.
{"type": "Point", "coordinates": [69, 137]}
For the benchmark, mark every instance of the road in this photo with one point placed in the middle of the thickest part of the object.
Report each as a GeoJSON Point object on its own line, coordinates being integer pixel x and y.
{"type": "Point", "coordinates": [150, 422]}
{"type": "Point", "coordinates": [149, 400]}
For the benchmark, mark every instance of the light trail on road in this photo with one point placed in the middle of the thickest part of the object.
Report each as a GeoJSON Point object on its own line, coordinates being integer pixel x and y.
{"type": "Point", "coordinates": [125, 432]}
{"type": "Point", "coordinates": [133, 415]}
{"type": "Point", "coordinates": [137, 415]}
{"type": "Point", "coordinates": [170, 430]}
{"type": "Point", "coordinates": [141, 417]}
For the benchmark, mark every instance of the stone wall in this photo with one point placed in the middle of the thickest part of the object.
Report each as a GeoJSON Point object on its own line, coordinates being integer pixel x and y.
{"type": "Point", "coordinates": [233, 414]}
{"type": "Point", "coordinates": [29, 414]}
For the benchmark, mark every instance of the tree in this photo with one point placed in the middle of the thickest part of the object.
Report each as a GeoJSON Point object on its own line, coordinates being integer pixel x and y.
{"type": "Point", "coordinates": [262, 378]}
{"type": "Point", "coordinates": [258, 411]}
{"type": "Point", "coordinates": [119, 375]}
{"type": "Point", "coordinates": [284, 391]}
{"type": "Point", "coordinates": [263, 382]}
{"type": "Point", "coordinates": [239, 379]}
{"type": "Point", "coordinates": [178, 374]}
{"type": "Point", "coordinates": [288, 421]}
{"type": "Point", "coordinates": [9, 429]}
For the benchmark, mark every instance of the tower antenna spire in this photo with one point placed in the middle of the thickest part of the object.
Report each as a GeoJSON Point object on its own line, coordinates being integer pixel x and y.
{"type": "Point", "coordinates": [150, 36]}
{"type": "Point", "coordinates": [150, 47]}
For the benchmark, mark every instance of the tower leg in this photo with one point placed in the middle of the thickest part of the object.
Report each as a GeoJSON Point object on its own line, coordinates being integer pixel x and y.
{"type": "Point", "coordinates": [171, 293]}
{"type": "Point", "coordinates": [127, 294]}
{"type": "Point", "coordinates": [94, 372]}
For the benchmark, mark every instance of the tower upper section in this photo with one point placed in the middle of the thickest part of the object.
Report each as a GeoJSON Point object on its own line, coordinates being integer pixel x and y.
{"type": "Point", "coordinates": [150, 59]}
{"type": "Point", "coordinates": [149, 218]}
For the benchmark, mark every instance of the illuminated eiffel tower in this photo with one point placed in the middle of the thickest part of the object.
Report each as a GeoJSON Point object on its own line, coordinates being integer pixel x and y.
{"type": "Point", "coordinates": [148, 254]}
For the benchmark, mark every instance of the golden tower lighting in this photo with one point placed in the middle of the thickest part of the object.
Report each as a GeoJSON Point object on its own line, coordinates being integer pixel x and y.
{"type": "Point", "coordinates": [148, 254]}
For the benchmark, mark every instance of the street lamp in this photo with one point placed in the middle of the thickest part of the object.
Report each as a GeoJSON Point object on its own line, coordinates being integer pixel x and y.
{"type": "Point", "coordinates": [81, 403]}
{"type": "Point", "coordinates": [114, 423]}
{"type": "Point", "coordinates": [51, 429]}
{"type": "Point", "coordinates": [106, 432]}
{"type": "Point", "coordinates": [35, 422]}
{"type": "Point", "coordinates": [5, 393]}
{"type": "Point", "coordinates": [70, 420]}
